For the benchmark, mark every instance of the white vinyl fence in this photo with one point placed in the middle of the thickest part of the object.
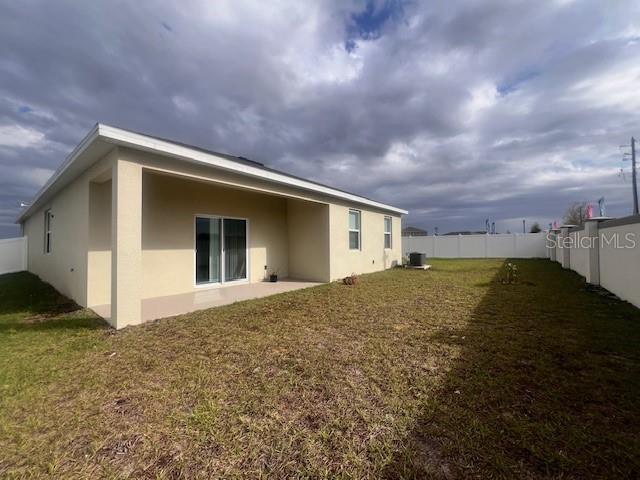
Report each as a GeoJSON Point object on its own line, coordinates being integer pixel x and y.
{"type": "Point", "coordinates": [604, 251]}
{"type": "Point", "coordinates": [13, 255]}
{"type": "Point", "coordinates": [511, 245]}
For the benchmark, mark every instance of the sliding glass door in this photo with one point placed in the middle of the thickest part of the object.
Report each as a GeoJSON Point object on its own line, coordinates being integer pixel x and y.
{"type": "Point", "coordinates": [235, 249]}
{"type": "Point", "coordinates": [208, 250]}
{"type": "Point", "coordinates": [221, 250]}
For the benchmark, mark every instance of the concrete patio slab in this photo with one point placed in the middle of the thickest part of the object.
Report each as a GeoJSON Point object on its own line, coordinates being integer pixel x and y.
{"type": "Point", "coordinates": [168, 306]}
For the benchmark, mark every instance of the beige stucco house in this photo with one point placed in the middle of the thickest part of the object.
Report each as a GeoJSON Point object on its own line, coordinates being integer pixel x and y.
{"type": "Point", "coordinates": [131, 217]}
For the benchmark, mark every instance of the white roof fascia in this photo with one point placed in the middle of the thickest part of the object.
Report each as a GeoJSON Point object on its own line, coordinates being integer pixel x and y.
{"type": "Point", "coordinates": [136, 140]}
{"type": "Point", "coordinates": [81, 147]}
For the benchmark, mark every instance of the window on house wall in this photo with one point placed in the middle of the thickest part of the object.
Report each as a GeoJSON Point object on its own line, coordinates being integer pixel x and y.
{"type": "Point", "coordinates": [354, 230]}
{"type": "Point", "coordinates": [48, 217]}
{"type": "Point", "coordinates": [387, 232]}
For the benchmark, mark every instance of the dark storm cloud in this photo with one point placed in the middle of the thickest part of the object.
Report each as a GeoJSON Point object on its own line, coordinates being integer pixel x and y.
{"type": "Point", "coordinates": [457, 112]}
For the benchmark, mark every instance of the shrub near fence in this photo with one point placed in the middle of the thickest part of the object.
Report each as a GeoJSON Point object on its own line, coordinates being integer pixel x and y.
{"type": "Point", "coordinates": [13, 255]}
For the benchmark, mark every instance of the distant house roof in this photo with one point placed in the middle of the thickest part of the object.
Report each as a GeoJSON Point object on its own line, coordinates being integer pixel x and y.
{"type": "Point", "coordinates": [102, 137]}
{"type": "Point", "coordinates": [414, 232]}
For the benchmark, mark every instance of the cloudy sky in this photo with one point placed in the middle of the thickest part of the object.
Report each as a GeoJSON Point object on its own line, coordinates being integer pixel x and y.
{"type": "Point", "coordinates": [456, 111]}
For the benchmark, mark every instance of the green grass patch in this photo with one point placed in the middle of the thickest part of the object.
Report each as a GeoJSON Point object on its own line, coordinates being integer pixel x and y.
{"type": "Point", "coordinates": [409, 374]}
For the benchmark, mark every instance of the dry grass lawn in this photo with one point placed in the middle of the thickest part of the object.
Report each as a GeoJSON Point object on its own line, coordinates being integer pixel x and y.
{"type": "Point", "coordinates": [409, 374]}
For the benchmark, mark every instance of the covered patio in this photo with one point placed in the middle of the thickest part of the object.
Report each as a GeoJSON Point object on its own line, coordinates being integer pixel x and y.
{"type": "Point", "coordinates": [187, 241]}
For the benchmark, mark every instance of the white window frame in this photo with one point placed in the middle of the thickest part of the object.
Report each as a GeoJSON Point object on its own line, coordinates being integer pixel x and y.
{"type": "Point", "coordinates": [358, 230]}
{"type": "Point", "coordinates": [390, 232]}
{"type": "Point", "coordinates": [48, 233]}
{"type": "Point", "coordinates": [222, 282]}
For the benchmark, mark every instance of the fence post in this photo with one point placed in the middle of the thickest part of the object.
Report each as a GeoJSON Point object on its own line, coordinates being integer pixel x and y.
{"type": "Point", "coordinates": [486, 245]}
{"type": "Point", "coordinates": [552, 240]}
{"type": "Point", "coordinates": [459, 244]}
{"type": "Point", "coordinates": [591, 227]}
{"type": "Point", "coordinates": [515, 245]}
{"type": "Point", "coordinates": [25, 253]}
{"type": "Point", "coordinates": [593, 254]}
{"type": "Point", "coordinates": [565, 248]}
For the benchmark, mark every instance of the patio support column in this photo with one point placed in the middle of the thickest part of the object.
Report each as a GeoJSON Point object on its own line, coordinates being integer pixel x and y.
{"type": "Point", "coordinates": [126, 241]}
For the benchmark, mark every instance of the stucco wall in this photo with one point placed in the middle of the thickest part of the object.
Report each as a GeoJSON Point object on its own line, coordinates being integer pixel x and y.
{"type": "Point", "coordinates": [173, 192]}
{"type": "Point", "coordinates": [169, 206]}
{"type": "Point", "coordinates": [372, 256]}
{"type": "Point", "coordinates": [66, 266]}
{"type": "Point", "coordinates": [99, 254]}
{"type": "Point", "coordinates": [308, 233]}
{"type": "Point", "coordinates": [287, 235]}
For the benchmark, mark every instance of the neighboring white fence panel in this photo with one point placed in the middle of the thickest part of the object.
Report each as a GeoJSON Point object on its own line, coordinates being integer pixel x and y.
{"type": "Point", "coordinates": [532, 245]}
{"type": "Point", "coordinates": [579, 258]}
{"type": "Point", "coordinates": [446, 247]}
{"type": "Point", "coordinates": [13, 255]}
{"type": "Point", "coordinates": [472, 246]}
{"type": "Point", "coordinates": [620, 261]}
{"type": "Point", "coordinates": [606, 253]}
{"type": "Point", "coordinates": [516, 245]}
{"type": "Point", "coordinates": [501, 245]}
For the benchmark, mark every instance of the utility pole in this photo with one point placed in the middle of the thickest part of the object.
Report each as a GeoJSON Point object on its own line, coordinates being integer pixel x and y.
{"type": "Point", "coordinates": [524, 228]}
{"type": "Point", "coordinates": [633, 176]}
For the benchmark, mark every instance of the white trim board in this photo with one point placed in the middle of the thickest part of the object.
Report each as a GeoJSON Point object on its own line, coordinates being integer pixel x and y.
{"type": "Point", "coordinates": [126, 138]}
{"type": "Point", "coordinates": [143, 142]}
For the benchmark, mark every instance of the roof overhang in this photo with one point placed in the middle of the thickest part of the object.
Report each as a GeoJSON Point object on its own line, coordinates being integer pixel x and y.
{"type": "Point", "coordinates": [102, 138]}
